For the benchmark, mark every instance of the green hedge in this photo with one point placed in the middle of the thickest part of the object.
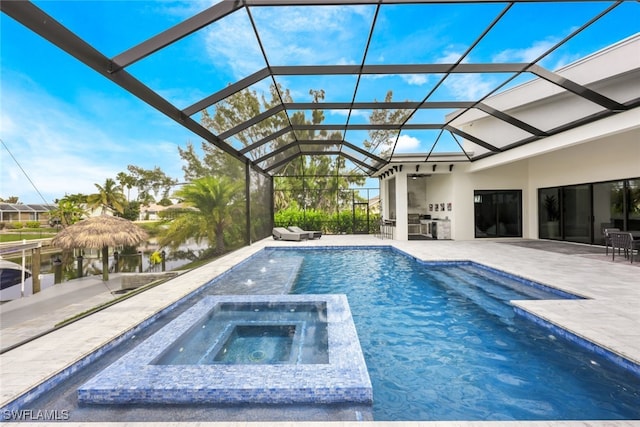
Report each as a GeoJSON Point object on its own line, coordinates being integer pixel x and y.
{"type": "Point", "coordinates": [328, 223]}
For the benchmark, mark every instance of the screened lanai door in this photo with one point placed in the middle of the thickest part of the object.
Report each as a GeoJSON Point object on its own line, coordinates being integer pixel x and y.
{"type": "Point", "coordinates": [360, 218]}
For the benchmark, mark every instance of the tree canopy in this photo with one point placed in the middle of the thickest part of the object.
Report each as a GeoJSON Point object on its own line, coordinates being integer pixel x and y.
{"type": "Point", "coordinates": [151, 184]}
{"type": "Point", "coordinates": [108, 196]}
{"type": "Point", "coordinates": [216, 202]}
{"type": "Point", "coordinates": [310, 181]}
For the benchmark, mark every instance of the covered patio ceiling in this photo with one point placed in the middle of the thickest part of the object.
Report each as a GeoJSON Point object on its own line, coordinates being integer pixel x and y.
{"type": "Point", "coordinates": [443, 62]}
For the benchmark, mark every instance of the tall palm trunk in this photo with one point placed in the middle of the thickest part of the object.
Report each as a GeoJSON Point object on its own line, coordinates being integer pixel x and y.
{"type": "Point", "coordinates": [220, 238]}
{"type": "Point", "coordinates": [105, 263]}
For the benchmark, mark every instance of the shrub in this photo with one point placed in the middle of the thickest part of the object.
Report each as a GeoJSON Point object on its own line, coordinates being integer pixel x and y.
{"type": "Point", "coordinates": [2, 225]}
{"type": "Point", "coordinates": [332, 223]}
{"type": "Point", "coordinates": [288, 217]}
{"type": "Point", "coordinates": [33, 224]}
{"type": "Point", "coordinates": [14, 225]}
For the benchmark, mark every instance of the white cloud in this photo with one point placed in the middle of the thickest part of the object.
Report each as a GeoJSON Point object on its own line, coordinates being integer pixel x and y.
{"type": "Point", "coordinates": [526, 54]}
{"type": "Point", "coordinates": [290, 36]}
{"type": "Point", "coordinates": [231, 43]}
{"type": "Point", "coordinates": [415, 79]}
{"type": "Point", "coordinates": [66, 147]}
{"type": "Point", "coordinates": [467, 87]}
{"type": "Point", "coordinates": [449, 58]}
{"type": "Point", "coordinates": [354, 113]}
{"type": "Point", "coordinates": [407, 144]}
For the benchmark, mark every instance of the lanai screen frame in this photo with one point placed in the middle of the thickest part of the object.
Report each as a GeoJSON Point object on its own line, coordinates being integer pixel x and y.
{"type": "Point", "coordinates": [368, 163]}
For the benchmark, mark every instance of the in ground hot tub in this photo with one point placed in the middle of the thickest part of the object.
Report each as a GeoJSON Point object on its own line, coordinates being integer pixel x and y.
{"type": "Point", "coordinates": [254, 332]}
{"type": "Point", "coordinates": [243, 348]}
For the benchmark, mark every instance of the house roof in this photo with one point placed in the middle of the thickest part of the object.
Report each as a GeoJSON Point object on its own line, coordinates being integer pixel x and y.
{"type": "Point", "coordinates": [439, 86]}
{"type": "Point", "coordinates": [20, 207]}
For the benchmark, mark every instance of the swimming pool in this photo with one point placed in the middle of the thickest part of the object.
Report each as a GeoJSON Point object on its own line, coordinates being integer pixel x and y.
{"type": "Point", "coordinates": [410, 364]}
{"type": "Point", "coordinates": [441, 342]}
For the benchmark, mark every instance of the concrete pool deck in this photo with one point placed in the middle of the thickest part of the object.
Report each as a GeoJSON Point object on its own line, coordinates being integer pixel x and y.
{"type": "Point", "coordinates": [610, 316]}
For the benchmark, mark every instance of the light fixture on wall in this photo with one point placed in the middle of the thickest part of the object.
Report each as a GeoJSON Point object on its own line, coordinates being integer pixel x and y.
{"type": "Point", "coordinates": [418, 175]}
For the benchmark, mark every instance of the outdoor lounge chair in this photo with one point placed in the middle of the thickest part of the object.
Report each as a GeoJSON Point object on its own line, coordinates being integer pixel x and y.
{"type": "Point", "coordinates": [281, 233]}
{"type": "Point", "coordinates": [311, 234]}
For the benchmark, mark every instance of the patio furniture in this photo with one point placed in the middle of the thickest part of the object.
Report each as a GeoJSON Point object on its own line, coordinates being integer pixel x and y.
{"type": "Point", "coordinates": [281, 233]}
{"type": "Point", "coordinates": [386, 228]}
{"type": "Point", "coordinates": [607, 238]}
{"type": "Point", "coordinates": [624, 242]}
{"type": "Point", "coordinates": [311, 234]}
{"type": "Point", "coordinates": [635, 244]}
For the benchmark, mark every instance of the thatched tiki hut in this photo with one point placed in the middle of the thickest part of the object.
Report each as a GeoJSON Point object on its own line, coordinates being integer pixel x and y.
{"type": "Point", "coordinates": [100, 232]}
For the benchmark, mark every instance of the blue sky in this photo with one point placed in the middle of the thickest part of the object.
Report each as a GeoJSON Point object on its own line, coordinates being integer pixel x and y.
{"type": "Point", "coordinates": [69, 128]}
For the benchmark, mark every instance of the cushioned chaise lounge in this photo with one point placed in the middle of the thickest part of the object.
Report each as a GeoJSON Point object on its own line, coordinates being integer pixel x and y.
{"type": "Point", "coordinates": [281, 233]}
{"type": "Point", "coordinates": [311, 234]}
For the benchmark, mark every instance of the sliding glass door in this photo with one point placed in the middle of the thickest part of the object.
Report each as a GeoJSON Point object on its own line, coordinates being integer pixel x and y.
{"type": "Point", "coordinates": [498, 213]}
{"type": "Point", "coordinates": [607, 208]}
{"type": "Point", "coordinates": [576, 213]}
{"type": "Point", "coordinates": [579, 213]}
{"type": "Point", "coordinates": [549, 213]}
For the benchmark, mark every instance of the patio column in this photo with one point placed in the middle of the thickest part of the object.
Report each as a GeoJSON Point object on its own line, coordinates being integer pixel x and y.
{"type": "Point", "coordinates": [402, 219]}
{"type": "Point", "coordinates": [384, 199]}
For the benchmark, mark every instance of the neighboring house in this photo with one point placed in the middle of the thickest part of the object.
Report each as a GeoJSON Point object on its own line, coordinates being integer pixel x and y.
{"type": "Point", "coordinates": [152, 212]}
{"type": "Point", "coordinates": [23, 212]}
{"type": "Point", "coordinates": [20, 212]}
{"type": "Point", "coordinates": [100, 210]}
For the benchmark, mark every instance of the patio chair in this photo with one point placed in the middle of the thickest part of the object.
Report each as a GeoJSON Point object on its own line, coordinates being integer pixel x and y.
{"type": "Point", "coordinates": [607, 239]}
{"type": "Point", "coordinates": [623, 242]}
{"type": "Point", "coordinates": [281, 233]}
{"type": "Point", "coordinates": [311, 234]}
{"type": "Point", "coordinates": [634, 246]}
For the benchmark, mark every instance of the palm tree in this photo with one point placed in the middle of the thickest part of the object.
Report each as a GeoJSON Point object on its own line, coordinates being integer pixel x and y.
{"type": "Point", "coordinates": [127, 181]}
{"type": "Point", "coordinates": [69, 211]}
{"type": "Point", "coordinates": [109, 196]}
{"type": "Point", "coordinates": [216, 202]}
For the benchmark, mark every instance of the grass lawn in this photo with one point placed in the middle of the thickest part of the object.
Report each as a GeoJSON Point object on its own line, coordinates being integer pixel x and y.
{"type": "Point", "coordinates": [25, 234]}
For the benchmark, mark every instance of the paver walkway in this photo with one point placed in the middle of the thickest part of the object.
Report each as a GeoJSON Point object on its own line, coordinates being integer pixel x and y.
{"type": "Point", "coordinates": [610, 316]}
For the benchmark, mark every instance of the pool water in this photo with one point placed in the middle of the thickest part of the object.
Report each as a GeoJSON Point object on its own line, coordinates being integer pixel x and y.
{"type": "Point", "coordinates": [248, 344]}
{"type": "Point", "coordinates": [254, 333]}
{"type": "Point", "coordinates": [442, 342]}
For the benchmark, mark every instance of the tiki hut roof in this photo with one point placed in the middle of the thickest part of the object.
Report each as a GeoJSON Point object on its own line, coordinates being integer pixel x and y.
{"type": "Point", "coordinates": [100, 231]}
